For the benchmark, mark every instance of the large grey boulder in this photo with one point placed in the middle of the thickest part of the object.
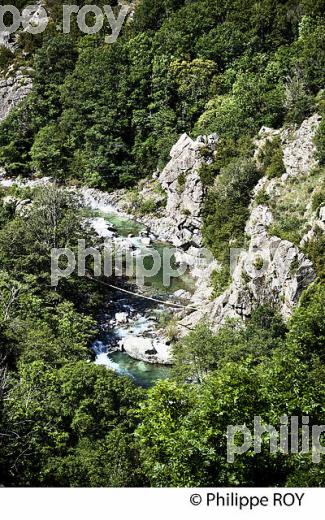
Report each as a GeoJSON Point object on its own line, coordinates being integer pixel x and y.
{"type": "Point", "coordinates": [150, 350]}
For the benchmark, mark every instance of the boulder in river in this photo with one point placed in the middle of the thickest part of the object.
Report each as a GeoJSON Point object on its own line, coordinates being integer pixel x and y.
{"type": "Point", "coordinates": [121, 317]}
{"type": "Point", "coordinates": [150, 350]}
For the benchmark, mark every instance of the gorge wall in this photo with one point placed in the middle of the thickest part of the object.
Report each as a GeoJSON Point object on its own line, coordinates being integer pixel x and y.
{"type": "Point", "coordinates": [272, 270]}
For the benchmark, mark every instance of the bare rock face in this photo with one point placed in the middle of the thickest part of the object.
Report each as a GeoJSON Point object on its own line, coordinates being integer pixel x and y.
{"type": "Point", "coordinates": [298, 146]}
{"type": "Point", "coordinates": [8, 40]}
{"type": "Point", "coordinates": [299, 152]}
{"type": "Point", "coordinates": [13, 89]}
{"type": "Point", "coordinates": [182, 222]}
{"type": "Point", "coordinates": [271, 271]}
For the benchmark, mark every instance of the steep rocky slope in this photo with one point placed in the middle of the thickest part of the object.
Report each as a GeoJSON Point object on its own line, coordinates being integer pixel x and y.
{"type": "Point", "coordinates": [272, 269]}
{"type": "Point", "coordinates": [16, 81]}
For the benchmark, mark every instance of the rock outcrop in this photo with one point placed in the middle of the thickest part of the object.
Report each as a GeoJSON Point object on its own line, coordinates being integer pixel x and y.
{"type": "Point", "coordinates": [13, 89]}
{"type": "Point", "coordinates": [270, 270]}
{"type": "Point", "coordinates": [298, 147]}
{"type": "Point", "coordinates": [7, 40]}
{"type": "Point", "coordinates": [182, 221]}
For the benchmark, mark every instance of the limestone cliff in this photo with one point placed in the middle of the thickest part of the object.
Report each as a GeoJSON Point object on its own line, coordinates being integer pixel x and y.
{"type": "Point", "coordinates": [272, 269]}
{"type": "Point", "coordinates": [185, 192]}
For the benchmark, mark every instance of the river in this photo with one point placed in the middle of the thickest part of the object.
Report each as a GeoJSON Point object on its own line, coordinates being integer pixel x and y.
{"type": "Point", "coordinates": [136, 317]}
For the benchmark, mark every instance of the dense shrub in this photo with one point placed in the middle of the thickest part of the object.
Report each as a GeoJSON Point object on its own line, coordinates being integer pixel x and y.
{"type": "Point", "coordinates": [147, 207]}
{"type": "Point", "coordinates": [6, 57]}
{"type": "Point", "coordinates": [226, 209]}
{"type": "Point", "coordinates": [320, 141]}
{"type": "Point", "coordinates": [271, 158]}
{"type": "Point", "coordinates": [315, 251]}
{"type": "Point", "coordinates": [220, 280]}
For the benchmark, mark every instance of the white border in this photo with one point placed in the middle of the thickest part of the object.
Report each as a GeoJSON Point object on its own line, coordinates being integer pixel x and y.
{"type": "Point", "coordinates": [147, 504]}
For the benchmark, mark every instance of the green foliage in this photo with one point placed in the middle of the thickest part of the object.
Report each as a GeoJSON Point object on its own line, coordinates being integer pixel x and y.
{"type": "Point", "coordinates": [320, 142]}
{"type": "Point", "coordinates": [182, 434]}
{"type": "Point", "coordinates": [144, 206]}
{"type": "Point", "coordinates": [299, 101]}
{"type": "Point", "coordinates": [318, 199]}
{"type": "Point", "coordinates": [293, 205]}
{"type": "Point", "coordinates": [194, 356]}
{"type": "Point", "coordinates": [106, 116]}
{"type": "Point", "coordinates": [315, 251]}
{"type": "Point", "coordinates": [110, 114]}
{"type": "Point", "coordinates": [147, 207]}
{"type": "Point", "coordinates": [227, 150]}
{"type": "Point", "coordinates": [307, 326]}
{"type": "Point", "coordinates": [6, 57]}
{"type": "Point", "coordinates": [287, 231]}
{"type": "Point", "coordinates": [47, 153]}
{"type": "Point", "coordinates": [58, 335]}
{"type": "Point", "coordinates": [73, 425]}
{"type": "Point", "coordinates": [271, 157]}
{"type": "Point", "coordinates": [258, 263]}
{"type": "Point", "coordinates": [150, 14]}
{"type": "Point", "coordinates": [226, 208]}
{"type": "Point", "coordinates": [207, 174]}
{"type": "Point", "coordinates": [192, 87]}
{"type": "Point", "coordinates": [16, 138]}
{"type": "Point", "coordinates": [173, 452]}
{"type": "Point", "coordinates": [183, 429]}
{"type": "Point", "coordinates": [253, 101]}
{"type": "Point", "coordinates": [53, 222]}
{"type": "Point", "coordinates": [311, 45]}
{"type": "Point", "coordinates": [220, 280]}
{"type": "Point", "coordinates": [202, 351]}
{"type": "Point", "coordinates": [262, 198]}
{"type": "Point", "coordinates": [181, 180]}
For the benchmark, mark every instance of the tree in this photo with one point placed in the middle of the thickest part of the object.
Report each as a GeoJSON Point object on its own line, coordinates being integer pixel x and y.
{"type": "Point", "coordinates": [226, 209]}
{"type": "Point", "coordinates": [48, 153]}
{"type": "Point", "coordinates": [60, 426]}
{"type": "Point", "coordinates": [307, 326]}
{"type": "Point", "coordinates": [57, 336]}
{"type": "Point", "coordinates": [203, 351]}
{"type": "Point", "coordinates": [192, 83]}
{"type": "Point", "coordinates": [196, 354]}
{"type": "Point", "coordinates": [173, 452]}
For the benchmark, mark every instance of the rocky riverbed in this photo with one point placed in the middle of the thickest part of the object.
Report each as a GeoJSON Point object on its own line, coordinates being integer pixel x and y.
{"type": "Point", "coordinates": [132, 322]}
